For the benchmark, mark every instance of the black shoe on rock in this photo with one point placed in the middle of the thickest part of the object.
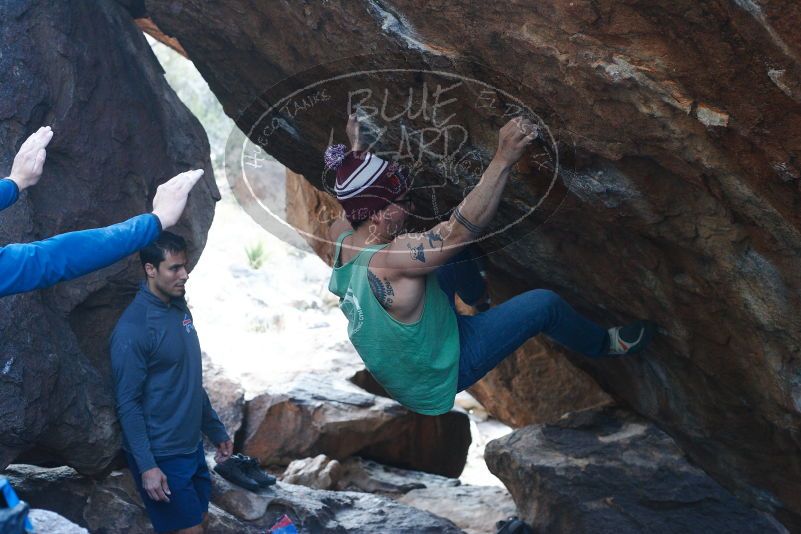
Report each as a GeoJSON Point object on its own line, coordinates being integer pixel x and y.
{"type": "Point", "coordinates": [254, 471]}
{"type": "Point", "coordinates": [257, 474]}
{"type": "Point", "coordinates": [233, 471]}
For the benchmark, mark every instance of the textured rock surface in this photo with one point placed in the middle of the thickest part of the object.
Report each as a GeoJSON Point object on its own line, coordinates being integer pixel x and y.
{"type": "Point", "coordinates": [108, 506]}
{"type": "Point", "coordinates": [312, 416]}
{"type": "Point", "coordinates": [241, 503]}
{"type": "Point", "coordinates": [474, 509]}
{"type": "Point", "coordinates": [536, 384]}
{"type": "Point", "coordinates": [120, 131]}
{"type": "Point", "coordinates": [609, 471]}
{"type": "Point", "coordinates": [680, 190]}
{"type": "Point", "coordinates": [52, 523]}
{"type": "Point", "coordinates": [320, 472]}
{"type": "Point", "coordinates": [326, 511]}
{"type": "Point", "coordinates": [226, 396]}
{"type": "Point", "coordinates": [308, 209]}
{"type": "Point", "coordinates": [368, 476]}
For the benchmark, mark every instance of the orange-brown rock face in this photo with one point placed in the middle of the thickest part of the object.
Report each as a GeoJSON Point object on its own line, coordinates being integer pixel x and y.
{"type": "Point", "coordinates": [312, 416]}
{"type": "Point", "coordinates": [536, 385]}
{"type": "Point", "coordinates": [306, 207]}
{"type": "Point", "coordinates": [678, 130]}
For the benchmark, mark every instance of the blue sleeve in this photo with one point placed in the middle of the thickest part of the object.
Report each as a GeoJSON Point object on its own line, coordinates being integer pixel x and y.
{"type": "Point", "coordinates": [129, 370]}
{"type": "Point", "coordinates": [211, 425]}
{"type": "Point", "coordinates": [9, 193]}
{"type": "Point", "coordinates": [67, 256]}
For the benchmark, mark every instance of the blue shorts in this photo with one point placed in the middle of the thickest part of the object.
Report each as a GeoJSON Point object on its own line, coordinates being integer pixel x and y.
{"type": "Point", "coordinates": [190, 489]}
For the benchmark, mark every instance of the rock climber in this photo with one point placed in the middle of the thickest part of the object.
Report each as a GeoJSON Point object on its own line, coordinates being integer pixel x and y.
{"type": "Point", "coordinates": [397, 288]}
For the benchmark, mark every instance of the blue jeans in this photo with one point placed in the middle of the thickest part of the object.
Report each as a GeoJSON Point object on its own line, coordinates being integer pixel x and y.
{"type": "Point", "coordinates": [489, 337]}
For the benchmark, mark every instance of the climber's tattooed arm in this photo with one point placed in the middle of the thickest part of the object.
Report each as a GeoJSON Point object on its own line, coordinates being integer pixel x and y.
{"type": "Point", "coordinates": [461, 219]}
{"type": "Point", "coordinates": [434, 237]}
{"type": "Point", "coordinates": [474, 216]}
{"type": "Point", "coordinates": [418, 253]}
{"type": "Point", "coordinates": [381, 289]}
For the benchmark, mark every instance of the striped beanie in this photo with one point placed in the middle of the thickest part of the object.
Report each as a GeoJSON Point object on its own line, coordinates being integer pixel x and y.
{"type": "Point", "coordinates": [365, 183]}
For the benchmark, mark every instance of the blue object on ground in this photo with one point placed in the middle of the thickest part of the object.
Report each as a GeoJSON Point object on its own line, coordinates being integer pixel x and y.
{"type": "Point", "coordinates": [284, 526]}
{"type": "Point", "coordinates": [15, 517]}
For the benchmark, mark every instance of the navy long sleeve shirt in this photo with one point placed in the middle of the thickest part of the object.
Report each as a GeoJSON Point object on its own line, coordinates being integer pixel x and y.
{"type": "Point", "coordinates": [29, 266]}
{"type": "Point", "coordinates": [156, 363]}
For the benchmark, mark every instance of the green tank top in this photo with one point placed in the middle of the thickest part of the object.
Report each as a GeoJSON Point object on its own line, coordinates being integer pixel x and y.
{"type": "Point", "coordinates": [417, 363]}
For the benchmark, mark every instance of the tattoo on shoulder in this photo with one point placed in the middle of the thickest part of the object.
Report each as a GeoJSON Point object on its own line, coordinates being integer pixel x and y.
{"type": "Point", "coordinates": [473, 228]}
{"type": "Point", "coordinates": [418, 252]}
{"type": "Point", "coordinates": [381, 289]}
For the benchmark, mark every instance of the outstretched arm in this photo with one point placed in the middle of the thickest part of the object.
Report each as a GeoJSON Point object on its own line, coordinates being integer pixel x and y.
{"type": "Point", "coordinates": [64, 257]}
{"type": "Point", "coordinates": [67, 256]}
{"type": "Point", "coordinates": [412, 255]}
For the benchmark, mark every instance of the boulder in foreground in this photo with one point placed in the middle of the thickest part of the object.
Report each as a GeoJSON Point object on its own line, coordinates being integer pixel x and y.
{"type": "Point", "coordinates": [610, 471]}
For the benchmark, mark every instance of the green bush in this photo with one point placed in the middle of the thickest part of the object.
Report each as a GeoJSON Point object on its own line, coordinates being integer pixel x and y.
{"type": "Point", "coordinates": [256, 255]}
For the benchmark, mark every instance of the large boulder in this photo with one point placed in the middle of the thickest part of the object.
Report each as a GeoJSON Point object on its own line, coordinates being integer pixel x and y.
{"type": "Point", "coordinates": [610, 471]}
{"type": "Point", "coordinates": [314, 415]}
{"type": "Point", "coordinates": [120, 131]}
{"type": "Point", "coordinates": [677, 128]}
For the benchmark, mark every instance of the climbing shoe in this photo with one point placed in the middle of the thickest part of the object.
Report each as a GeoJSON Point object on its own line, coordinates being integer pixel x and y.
{"type": "Point", "coordinates": [234, 470]}
{"type": "Point", "coordinates": [254, 471]}
{"type": "Point", "coordinates": [630, 339]}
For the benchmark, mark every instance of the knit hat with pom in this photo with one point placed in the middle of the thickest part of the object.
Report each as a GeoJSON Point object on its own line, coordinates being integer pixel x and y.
{"type": "Point", "coordinates": [365, 183]}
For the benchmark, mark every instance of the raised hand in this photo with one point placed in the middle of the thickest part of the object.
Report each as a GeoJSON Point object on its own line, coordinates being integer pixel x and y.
{"type": "Point", "coordinates": [354, 133]}
{"type": "Point", "coordinates": [29, 161]}
{"type": "Point", "coordinates": [513, 139]}
{"type": "Point", "coordinates": [170, 199]}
